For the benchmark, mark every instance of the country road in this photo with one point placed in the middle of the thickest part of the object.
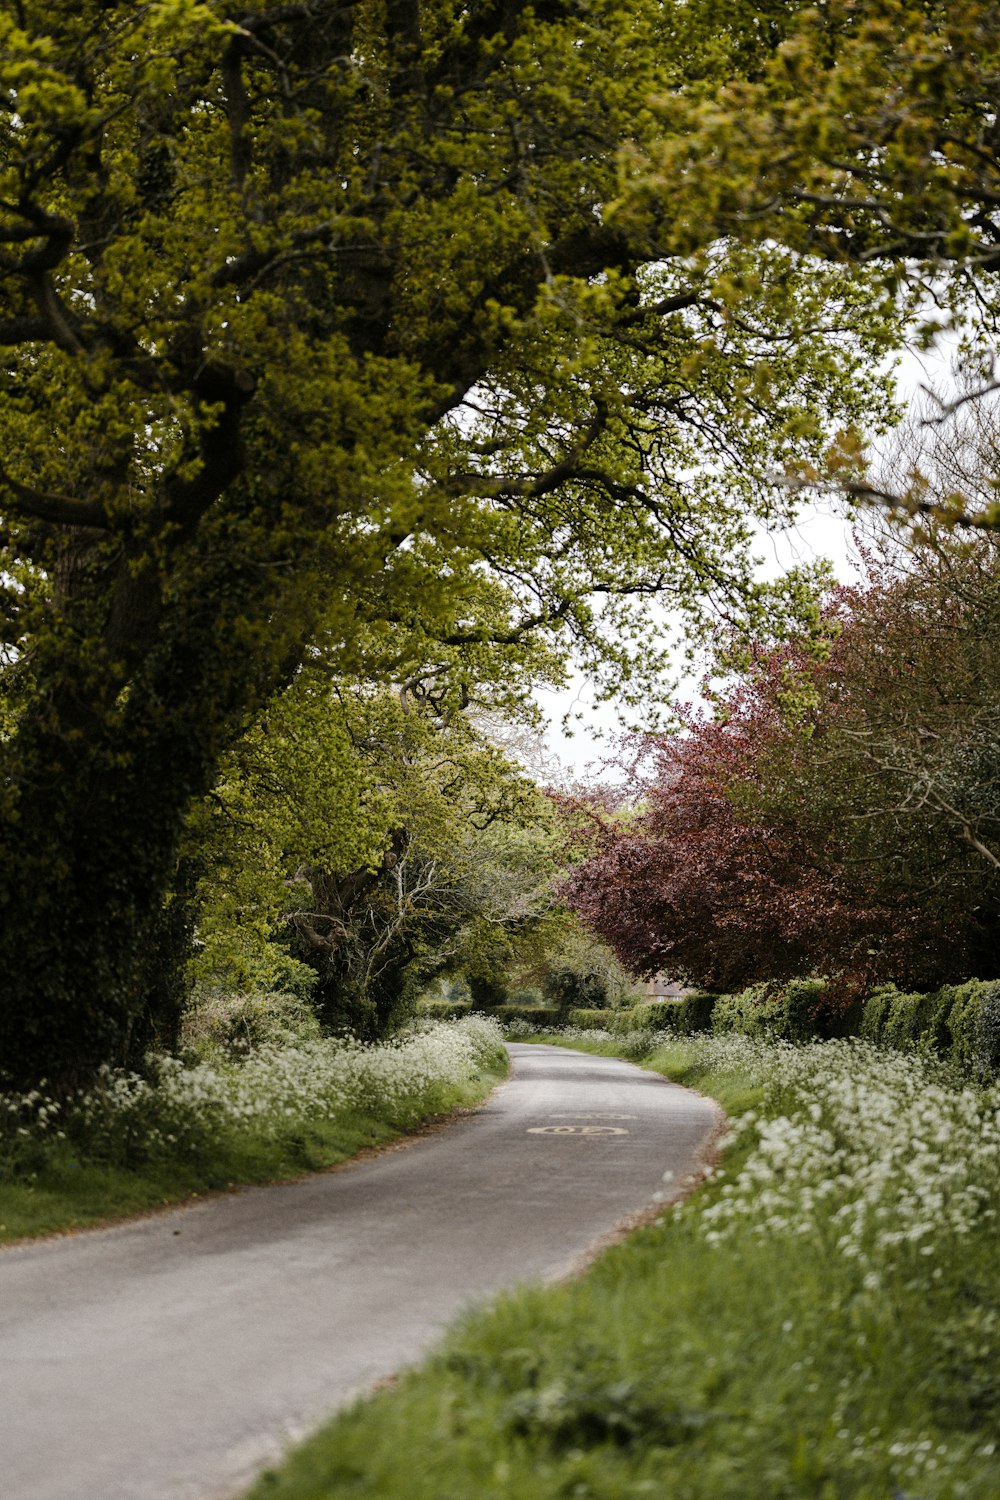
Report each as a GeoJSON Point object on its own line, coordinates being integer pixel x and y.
{"type": "Point", "coordinates": [170, 1358]}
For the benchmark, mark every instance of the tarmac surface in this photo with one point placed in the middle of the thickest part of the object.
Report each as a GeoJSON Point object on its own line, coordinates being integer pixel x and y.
{"type": "Point", "coordinates": [173, 1357]}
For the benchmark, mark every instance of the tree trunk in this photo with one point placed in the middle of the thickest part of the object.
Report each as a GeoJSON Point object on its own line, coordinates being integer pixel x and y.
{"type": "Point", "coordinates": [89, 952]}
{"type": "Point", "coordinates": [95, 919]}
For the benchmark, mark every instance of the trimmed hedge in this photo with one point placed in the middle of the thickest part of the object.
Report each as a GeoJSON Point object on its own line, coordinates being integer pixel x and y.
{"type": "Point", "coordinates": [695, 1012]}
{"type": "Point", "coordinates": [650, 1016]}
{"type": "Point", "coordinates": [591, 1020]}
{"type": "Point", "coordinates": [793, 1011]}
{"type": "Point", "coordinates": [959, 1021]}
{"type": "Point", "coordinates": [444, 1010]}
{"type": "Point", "coordinates": [541, 1017]}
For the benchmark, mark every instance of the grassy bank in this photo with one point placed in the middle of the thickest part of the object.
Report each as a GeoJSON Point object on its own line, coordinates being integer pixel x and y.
{"type": "Point", "coordinates": [277, 1111]}
{"type": "Point", "coordinates": [820, 1322]}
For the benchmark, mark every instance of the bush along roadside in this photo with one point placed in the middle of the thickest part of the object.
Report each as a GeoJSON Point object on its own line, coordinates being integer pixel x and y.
{"type": "Point", "coordinates": [261, 1096]}
{"type": "Point", "coordinates": [959, 1023]}
{"type": "Point", "coordinates": [820, 1321]}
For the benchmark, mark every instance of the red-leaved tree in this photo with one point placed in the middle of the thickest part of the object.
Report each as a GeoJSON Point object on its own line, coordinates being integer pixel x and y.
{"type": "Point", "coordinates": [838, 816]}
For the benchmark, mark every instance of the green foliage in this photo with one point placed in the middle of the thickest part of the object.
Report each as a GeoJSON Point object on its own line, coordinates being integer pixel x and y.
{"type": "Point", "coordinates": [237, 1024]}
{"type": "Point", "coordinates": [538, 1017]}
{"type": "Point", "coordinates": [564, 987]}
{"type": "Point", "coordinates": [443, 1010]}
{"type": "Point", "coordinates": [241, 960]}
{"type": "Point", "coordinates": [624, 1020]}
{"type": "Point", "coordinates": [694, 1014]}
{"type": "Point", "coordinates": [987, 1060]}
{"type": "Point", "coordinates": [575, 969]}
{"type": "Point", "coordinates": [381, 838]}
{"type": "Point", "coordinates": [320, 344]}
{"type": "Point", "coordinates": [958, 1022]}
{"type": "Point", "coordinates": [486, 991]}
{"type": "Point", "coordinates": [862, 133]}
{"type": "Point", "coordinates": [792, 1011]}
{"type": "Point", "coordinates": [646, 1016]}
{"type": "Point", "coordinates": [590, 1020]}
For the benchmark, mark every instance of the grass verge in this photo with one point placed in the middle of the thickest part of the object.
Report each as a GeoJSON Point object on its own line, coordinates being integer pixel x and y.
{"type": "Point", "coordinates": [61, 1188]}
{"type": "Point", "coordinates": [703, 1362]}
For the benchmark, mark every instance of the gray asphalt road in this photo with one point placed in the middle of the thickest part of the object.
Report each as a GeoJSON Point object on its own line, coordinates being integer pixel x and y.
{"type": "Point", "coordinates": [171, 1358]}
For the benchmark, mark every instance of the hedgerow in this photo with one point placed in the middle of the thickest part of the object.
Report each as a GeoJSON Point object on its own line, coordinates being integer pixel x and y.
{"type": "Point", "coordinates": [183, 1108]}
{"type": "Point", "coordinates": [958, 1023]}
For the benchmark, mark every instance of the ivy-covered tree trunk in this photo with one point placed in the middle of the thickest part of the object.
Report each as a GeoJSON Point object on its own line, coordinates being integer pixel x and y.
{"type": "Point", "coordinates": [86, 966]}
{"type": "Point", "coordinates": [360, 942]}
{"type": "Point", "coordinates": [95, 917]}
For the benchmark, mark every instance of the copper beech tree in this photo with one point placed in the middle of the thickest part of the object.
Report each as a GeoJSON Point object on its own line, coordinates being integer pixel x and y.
{"type": "Point", "coordinates": [837, 816]}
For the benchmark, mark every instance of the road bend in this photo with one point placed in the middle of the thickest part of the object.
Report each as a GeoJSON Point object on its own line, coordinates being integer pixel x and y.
{"type": "Point", "coordinates": [173, 1357]}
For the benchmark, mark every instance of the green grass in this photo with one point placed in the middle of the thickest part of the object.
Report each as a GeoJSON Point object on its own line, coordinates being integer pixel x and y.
{"type": "Point", "coordinates": [66, 1191]}
{"type": "Point", "coordinates": [675, 1368]}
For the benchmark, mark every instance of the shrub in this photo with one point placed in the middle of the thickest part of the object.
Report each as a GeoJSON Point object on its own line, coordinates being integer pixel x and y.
{"type": "Point", "coordinates": [973, 1026]}
{"type": "Point", "coordinates": [803, 1010]}
{"type": "Point", "coordinates": [958, 1022]}
{"type": "Point", "coordinates": [486, 990]}
{"type": "Point", "coordinates": [694, 1013]}
{"type": "Point", "coordinates": [443, 1010]}
{"type": "Point", "coordinates": [988, 1031]}
{"type": "Point", "coordinates": [902, 1021]}
{"type": "Point", "coordinates": [238, 1024]}
{"type": "Point", "coordinates": [874, 1012]}
{"type": "Point", "coordinates": [741, 1012]}
{"type": "Point", "coordinates": [590, 1020]}
{"type": "Point", "coordinates": [565, 986]}
{"type": "Point", "coordinates": [529, 996]}
{"type": "Point", "coordinates": [536, 1017]}
{"type": "Point", "coordinates": [647, 1017]}
{"type": "Point", "coordinates": [793, 1012]}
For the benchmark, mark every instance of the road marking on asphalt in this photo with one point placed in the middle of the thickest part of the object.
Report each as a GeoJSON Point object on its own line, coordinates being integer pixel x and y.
{"type": "Point", "coordinates": [576, 1130]}
{"type": "Point", "coordinates": [589, 1114]}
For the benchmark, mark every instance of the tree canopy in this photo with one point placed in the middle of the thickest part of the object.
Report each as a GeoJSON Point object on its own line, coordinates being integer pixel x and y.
{"type": "Point", "coordinates": [866, 134]}
{"type": "Point", "coordinates": [318, 338]}
{"type": "Point", "coordinates": [376, 839]}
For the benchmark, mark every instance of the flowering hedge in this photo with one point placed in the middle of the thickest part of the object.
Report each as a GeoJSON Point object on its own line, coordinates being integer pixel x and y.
{"type": "Point", "coordinates": [183, 1108]}
{"type": "Point", "coordinates": [864, 1151]}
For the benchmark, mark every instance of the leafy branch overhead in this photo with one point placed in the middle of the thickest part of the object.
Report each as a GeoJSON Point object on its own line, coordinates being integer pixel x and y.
{"type": "Point", "coordinates": [866, 136]}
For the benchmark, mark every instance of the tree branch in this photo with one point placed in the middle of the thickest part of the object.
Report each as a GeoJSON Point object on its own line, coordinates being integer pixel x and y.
{"type": "Point", "coordinates": [24, 330]}
{"type": "Point", "coordinates": [222, 454]}
{"type": "Point", "coordinates": [58, 510]}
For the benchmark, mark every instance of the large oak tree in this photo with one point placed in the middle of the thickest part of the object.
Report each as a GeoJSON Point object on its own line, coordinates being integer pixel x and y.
{"type": "Point", "coordinates": [315, 334]}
